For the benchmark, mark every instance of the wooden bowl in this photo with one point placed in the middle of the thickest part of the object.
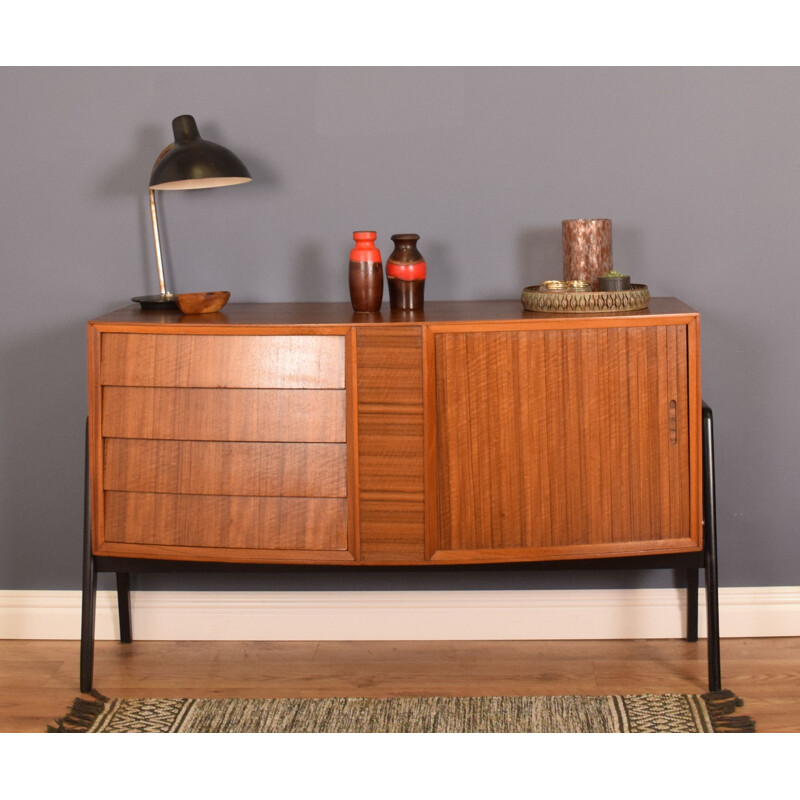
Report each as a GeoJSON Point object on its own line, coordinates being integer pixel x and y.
{"type": "Point", "coordinates": [201, 302]}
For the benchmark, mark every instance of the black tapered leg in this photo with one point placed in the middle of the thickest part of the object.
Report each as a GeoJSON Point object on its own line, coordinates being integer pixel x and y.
{"type": "Point", "coordinates": [89, 596]}
{"type": "Point", "coordinates": [124, 606]}
{"type": "Point", "coordinates": [692, 587]}
{"type": "Point", "coordinates": [710, 547]}
{"type": "Point", "coordinates": [87, 623]}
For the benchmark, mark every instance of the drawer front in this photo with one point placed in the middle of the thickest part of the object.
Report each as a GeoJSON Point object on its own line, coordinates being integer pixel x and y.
{"type": "Point", "coordinates": [208, 522]}
{"type": "Point", "coordinates": [255, 362]}
{"type": "Point", "coordinates": [246, 415]}
{"type": "Point", "coordinates": [226, 468]}
{"type": "Point", "coordinates": [223, 447]}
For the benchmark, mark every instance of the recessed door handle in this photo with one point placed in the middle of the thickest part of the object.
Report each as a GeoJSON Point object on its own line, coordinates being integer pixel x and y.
{"type": "Point", "coordinates": [673, 422]}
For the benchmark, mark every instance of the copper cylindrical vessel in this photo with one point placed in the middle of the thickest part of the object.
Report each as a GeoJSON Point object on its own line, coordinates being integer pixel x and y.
{"type": "Point", "coordinates": [587, 249]}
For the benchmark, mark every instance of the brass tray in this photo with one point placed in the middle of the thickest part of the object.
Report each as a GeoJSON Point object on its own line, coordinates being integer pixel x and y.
{"type": "Point", "coordinates": [633, 299]}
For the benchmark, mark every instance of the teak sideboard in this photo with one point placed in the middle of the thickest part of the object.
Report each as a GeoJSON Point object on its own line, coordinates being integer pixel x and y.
{"type": "Point", "coordinates": [467, 433]}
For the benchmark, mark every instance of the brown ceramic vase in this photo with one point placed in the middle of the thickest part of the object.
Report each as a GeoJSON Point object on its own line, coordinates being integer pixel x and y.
{"type": "Point", "coordinates": [406, 271]}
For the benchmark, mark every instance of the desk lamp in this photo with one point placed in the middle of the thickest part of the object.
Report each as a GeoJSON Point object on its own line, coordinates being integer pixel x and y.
{"type": "Point", "coordinates": [189, 163]}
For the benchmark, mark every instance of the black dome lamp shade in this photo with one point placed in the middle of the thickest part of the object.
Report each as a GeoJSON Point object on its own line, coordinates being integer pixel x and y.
{"type": "Point", "coordinates": [191, 162]}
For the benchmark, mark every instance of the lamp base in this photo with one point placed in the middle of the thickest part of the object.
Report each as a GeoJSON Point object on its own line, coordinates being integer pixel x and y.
{"type": "Point", "coordinates": [156, 302]}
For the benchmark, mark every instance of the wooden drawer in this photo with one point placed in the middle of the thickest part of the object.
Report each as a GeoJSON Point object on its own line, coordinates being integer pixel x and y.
{"type": "Point", "coordinates": [223, 446]}
{"type": "Point", "coordinates": [226, 468]}
{"type": "Point", "coordinates": [254, 362]}
{"type": "Point", "coordinates": [246, 523]}
{"type": "Point", "coordinates": [243, 415]}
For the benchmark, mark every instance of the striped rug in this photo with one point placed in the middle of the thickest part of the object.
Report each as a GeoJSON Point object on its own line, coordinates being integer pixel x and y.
{"type": "Point", "coordinates": [651, 713]}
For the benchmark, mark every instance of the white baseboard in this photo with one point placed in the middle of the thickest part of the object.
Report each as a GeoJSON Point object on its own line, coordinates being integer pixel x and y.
{"type": "Point", "coordinates": [400, 615]}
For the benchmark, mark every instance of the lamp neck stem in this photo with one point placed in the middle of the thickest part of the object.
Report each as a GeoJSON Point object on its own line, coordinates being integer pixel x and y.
{"type": "Point", "coordinates": [157, 241]}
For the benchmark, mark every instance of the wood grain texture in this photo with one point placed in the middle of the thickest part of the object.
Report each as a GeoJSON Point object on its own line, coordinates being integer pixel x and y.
{"type": "Point", "coordinates": [254, 362]}
{"type": "Point", "coordinates": [221, 447]}
{"type": "Point", "coordinates": [38, 678]}
{"type": "Point", "coordinates": [232, 468]}
{"type": "Point", "coordinates": [390, 445]}
{"type": "Point", "coordinates": [94, 434]}
{"type": "Point", "coordinates": [203, 521]}
{"type": "Point", "coordinates": [565, 438]}
{"type": "Point", "coordinates": [563, 415]}
{"type": "Point", "coordinates": [242, 415]}
{"type": "Point", "coordinates": [310, 318]}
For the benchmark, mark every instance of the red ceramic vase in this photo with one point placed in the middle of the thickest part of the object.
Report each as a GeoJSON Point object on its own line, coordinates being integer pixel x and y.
{"type": "Point", "coordinates": [406, 271]}
{"type": "Point", "coordinates": [366, 273]}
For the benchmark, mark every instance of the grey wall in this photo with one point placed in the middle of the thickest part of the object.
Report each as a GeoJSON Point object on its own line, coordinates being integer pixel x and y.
{"type": "Point", "coordinates": [697, 167]}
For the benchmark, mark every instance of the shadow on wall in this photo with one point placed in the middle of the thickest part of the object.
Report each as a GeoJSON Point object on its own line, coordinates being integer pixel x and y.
{"type": "Point", "coordinates": [540, 253]}
{"type": "Point", "coordinates": [44, 378]}
{"type": "Point", "coordinates": [442, 282]}
{"type": "Point", "coordinates": [628, 253]}
{"type": "Point", "coordinates": [539, 256]}
{"type": "Point", "coordinates": [749, 507]}
{"type": "Point", "coordinates": [129, 178]}
{"type": "Point", "coordinates": [480, 578]}
{"type": "Point", "coordinates": [311, 276]}
{"type": "Point", "coordinates": [320, 275]}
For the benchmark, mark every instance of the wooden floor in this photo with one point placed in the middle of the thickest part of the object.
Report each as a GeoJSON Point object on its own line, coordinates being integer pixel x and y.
{"type": "Point", "coordinates": [39, 679]}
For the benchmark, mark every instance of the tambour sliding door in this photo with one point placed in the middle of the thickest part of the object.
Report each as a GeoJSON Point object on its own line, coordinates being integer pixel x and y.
{"type": "Point", "coordinates": [560, 442]}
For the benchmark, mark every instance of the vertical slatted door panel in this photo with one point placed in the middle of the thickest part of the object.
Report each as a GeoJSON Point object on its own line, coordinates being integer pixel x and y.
{"type": "Point", "coordinates": [390, 445]}
{"type": "Point", "coordinates": [557, 443]}
{"type": "Point", "coordinates": [222, 447]}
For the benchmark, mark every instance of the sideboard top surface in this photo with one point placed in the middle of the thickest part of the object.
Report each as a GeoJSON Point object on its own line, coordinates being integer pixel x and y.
{"type": "Point", "coordinates": [311, 314]}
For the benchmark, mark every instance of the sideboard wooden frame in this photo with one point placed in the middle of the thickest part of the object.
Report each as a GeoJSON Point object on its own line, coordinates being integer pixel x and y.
{"type": "Point", "coordinates": [691, 563]}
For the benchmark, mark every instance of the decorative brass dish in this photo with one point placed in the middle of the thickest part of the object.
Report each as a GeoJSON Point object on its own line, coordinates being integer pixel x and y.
{"type": "Point", "coordinates": [633, 299]}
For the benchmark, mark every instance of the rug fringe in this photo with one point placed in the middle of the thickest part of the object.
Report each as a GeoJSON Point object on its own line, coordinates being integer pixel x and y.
{"type": "Point", "coordinates": [721, 708]}
{"type": "Point", "coordinates": [81, 716]}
